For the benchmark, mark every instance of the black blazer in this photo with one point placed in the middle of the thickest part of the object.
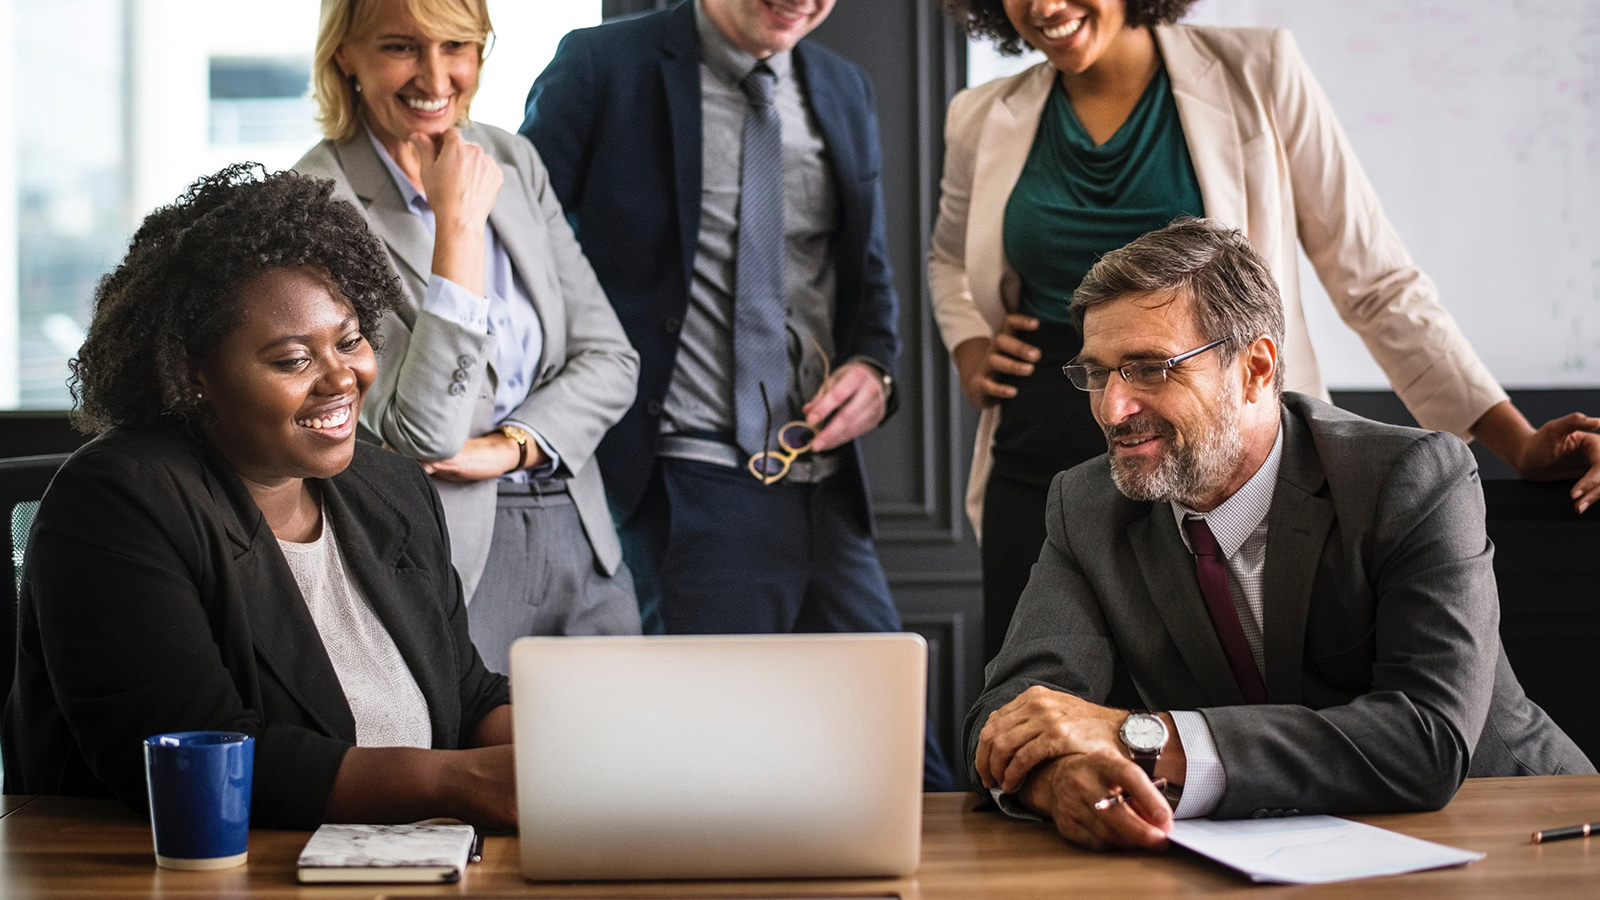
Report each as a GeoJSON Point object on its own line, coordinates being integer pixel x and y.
{"type": "Point", "coordinates": [155, 598]}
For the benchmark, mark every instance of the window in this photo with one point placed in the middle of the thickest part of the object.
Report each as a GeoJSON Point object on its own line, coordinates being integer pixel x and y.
{"type": "Point", "coordinates": [109, 108]}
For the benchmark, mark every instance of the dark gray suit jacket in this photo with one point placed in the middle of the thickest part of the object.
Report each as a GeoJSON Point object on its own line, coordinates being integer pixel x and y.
{"type": "Point", "coordinates": [1386, 681]}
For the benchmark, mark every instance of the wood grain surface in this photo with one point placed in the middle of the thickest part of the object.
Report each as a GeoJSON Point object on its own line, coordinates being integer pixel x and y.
{"type": "Point", "coordinates": [63, 847]}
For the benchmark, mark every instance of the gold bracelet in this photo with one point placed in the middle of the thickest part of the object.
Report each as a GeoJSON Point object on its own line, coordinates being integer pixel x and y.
{"type": "Point", "coordinates": [521, 437]}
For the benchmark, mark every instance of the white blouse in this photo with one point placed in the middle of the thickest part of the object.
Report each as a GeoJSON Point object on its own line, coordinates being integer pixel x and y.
{"type": "Point", "coordinates": [388, 707]}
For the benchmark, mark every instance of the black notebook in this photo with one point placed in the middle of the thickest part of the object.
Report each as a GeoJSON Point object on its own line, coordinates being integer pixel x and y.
{"type": "Point", "coordinates": [434, 854]}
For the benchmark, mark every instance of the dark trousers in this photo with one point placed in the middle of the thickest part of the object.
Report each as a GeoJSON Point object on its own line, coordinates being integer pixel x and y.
{"type": "Point", "coordinates": [1046, 428]}
{"type": "Point", "coordinates": [721, 553]}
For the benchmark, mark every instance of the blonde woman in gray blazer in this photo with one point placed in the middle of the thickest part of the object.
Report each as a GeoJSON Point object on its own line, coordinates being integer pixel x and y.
{"type": "Point", "coordinates": [1269, 159]}
{"type": "Point", "coordinates": [506, 365]}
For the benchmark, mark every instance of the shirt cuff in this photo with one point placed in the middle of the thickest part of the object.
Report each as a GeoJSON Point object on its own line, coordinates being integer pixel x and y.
{"type": "Point", "coordinates": [1011, 806]}
{"type": "Point", "coordinates": [553, 459]}
{"type": "Point", "coordinates": [1204, 781]}
{"type": "Point", "coordinates": [454, 303]}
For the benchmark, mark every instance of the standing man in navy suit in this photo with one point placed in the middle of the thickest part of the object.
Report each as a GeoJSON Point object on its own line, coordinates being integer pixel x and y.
{"type": "Point", "coordinates": [723, 177]}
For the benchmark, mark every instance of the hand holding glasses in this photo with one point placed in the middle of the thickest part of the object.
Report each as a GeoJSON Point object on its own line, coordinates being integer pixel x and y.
{"type": "Point", "coordinates": [1146, 374]}
{"type": "Point", "coordinates": [794, 438]}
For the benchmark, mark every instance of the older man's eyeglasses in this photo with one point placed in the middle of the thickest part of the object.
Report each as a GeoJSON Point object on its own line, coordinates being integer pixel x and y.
{"type": "Point", "coordinates": [1147, 374]}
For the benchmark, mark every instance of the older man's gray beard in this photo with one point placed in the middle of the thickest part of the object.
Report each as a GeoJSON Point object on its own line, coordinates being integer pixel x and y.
{"type": "Point", "coordinates": [1186, 472]}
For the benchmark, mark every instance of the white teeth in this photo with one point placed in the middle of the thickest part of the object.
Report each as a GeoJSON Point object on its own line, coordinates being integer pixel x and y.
{"type": "Point", "coordinates": [426, 105]}
{"type": "Point", "coordinates": [1061, 31]}
{"type": "Point", "coordinates": [333, 420]}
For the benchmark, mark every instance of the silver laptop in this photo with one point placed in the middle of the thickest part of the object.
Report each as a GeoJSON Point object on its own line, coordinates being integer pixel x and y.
{"type": "Point", "coordinates": [719, 757]}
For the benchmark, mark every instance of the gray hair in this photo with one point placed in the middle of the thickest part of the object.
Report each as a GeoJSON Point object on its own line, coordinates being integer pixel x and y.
{"type": "Point", "coordinates": [1228, 284]}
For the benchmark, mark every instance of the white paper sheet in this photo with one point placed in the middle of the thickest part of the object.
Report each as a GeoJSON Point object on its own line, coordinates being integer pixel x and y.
{"type": "Point", "coordinates": [1313, 849]}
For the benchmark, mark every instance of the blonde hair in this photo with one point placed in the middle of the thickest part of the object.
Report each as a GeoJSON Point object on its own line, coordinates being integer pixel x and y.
{"type": "Point", "coordinates": [338, 103]}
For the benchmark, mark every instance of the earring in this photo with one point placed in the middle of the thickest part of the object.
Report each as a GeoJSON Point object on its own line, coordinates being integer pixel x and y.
{"type": "Point", "coordinates": [199, 397]}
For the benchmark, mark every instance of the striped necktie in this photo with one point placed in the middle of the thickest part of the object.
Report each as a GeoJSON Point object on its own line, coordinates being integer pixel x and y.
{"type": "Point", "coordinates": [760, 342]}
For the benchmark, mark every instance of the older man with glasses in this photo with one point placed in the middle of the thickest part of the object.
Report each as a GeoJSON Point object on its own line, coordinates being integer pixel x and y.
{"type": "Point", "coordinates": [1303, 596]}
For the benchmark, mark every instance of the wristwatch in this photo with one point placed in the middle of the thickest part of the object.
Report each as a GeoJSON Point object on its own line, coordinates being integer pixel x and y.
{"type": "Point", "coordinates": [1144, 734]}
{"type": "Point", "coordinates": [521, 437]}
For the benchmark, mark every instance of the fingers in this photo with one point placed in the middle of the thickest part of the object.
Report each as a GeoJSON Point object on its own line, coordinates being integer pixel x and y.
{"type": "Point", "coordinates": [985, 391]}
{"type": "Point", "coordinates": [1016, 322]}
{"type": "Point", "coordinates": [853, 398]}
{"type": "Point", "coordinates": [1142, 822]}
{"type": "Point", "coordinates": [1573, 422]}
{"type": "Point", "coordinates": [860, 414]}
{"type": "Point", "coordinates": [1015, 347]}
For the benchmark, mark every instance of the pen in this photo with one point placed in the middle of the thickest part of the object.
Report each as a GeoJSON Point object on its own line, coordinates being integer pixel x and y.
{"type": "Point", "coordinates": [1557, 834]}
{"type": "Point", "coordinates": [477, 848]}
{"type": "Point", "coordinates": [1111, 800]}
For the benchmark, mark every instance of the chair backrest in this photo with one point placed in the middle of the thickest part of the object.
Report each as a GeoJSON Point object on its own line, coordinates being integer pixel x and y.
{"type": "Point", "coordinates": [22, 482]}
{"type": "Point", "coordinates": [1547, 569]}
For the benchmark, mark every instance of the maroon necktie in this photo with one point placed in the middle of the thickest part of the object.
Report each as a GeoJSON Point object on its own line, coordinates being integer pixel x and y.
{"type": "Point", "coordinates": [1212, 574]}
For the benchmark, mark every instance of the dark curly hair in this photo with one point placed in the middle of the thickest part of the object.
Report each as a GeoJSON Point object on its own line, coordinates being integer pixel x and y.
{"type": "Point", "coordinates": [988, 19]}
{"type": "Point", "coordinates": [176, 294]}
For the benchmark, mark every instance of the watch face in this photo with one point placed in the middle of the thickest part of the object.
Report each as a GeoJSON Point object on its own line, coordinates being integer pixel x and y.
{"type": "Point", "coordinates": [1144, 732]}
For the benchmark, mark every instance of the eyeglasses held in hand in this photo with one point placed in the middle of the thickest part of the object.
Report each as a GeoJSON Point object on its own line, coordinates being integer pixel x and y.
{"type": "Point", "coordinates": [794, 438]}
{"type": "Point", "coordinates": [1146, 374]}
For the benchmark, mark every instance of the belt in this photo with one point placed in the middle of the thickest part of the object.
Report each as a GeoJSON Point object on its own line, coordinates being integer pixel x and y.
{"type": "Point", "coordinates": [807, 468]}
{"type": "Point", "coordinates": [540, 487]}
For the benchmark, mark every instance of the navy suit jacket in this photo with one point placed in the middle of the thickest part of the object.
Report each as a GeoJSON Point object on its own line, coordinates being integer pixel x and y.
{"type": "Point", "coordinates": [616, 118]}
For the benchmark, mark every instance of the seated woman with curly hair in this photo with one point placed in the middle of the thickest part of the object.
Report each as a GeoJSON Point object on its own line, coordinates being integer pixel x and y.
{"type": "Point", "coordinates": [225, 555]}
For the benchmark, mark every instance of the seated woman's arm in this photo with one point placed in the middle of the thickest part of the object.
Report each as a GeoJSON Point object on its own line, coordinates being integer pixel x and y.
{"type": "Point", "coordinates": [396, 784]}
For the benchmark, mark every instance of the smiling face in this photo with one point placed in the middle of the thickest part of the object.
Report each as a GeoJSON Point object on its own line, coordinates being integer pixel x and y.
{"type": "Point", "coordinates": [1181, 441]}
{"type": "Point", "coordinates": [764, 27]}
{"type": "Point", "coordinates": [410, 83]}
{"type": "Point", "coordinates": [1072, 34]}
{"type": "Point", "coordinates": [282, 392]}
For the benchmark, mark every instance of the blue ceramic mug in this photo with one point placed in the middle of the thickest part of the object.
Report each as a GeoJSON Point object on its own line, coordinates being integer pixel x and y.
{"type": "Point", "coordinates": [200, 797]}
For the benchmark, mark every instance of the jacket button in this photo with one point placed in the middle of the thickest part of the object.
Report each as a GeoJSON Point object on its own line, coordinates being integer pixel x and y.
{"type": "Point", "coordinates": [466, 360]}
{"type": "Point", "coordinates": [672, 324]}
{"type": "Point", "coordinates": [1259, 814]}
{"type": "Point", "coordinates": [458, 376]}
{"type": "Point", "coordinates": [652, 407]}
{"type": "Point", "coordinates": [457, 389]}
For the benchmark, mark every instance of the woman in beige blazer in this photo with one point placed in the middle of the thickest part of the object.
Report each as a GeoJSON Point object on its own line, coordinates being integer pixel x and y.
{"type": "Point", "coordinates": [1267, 156]}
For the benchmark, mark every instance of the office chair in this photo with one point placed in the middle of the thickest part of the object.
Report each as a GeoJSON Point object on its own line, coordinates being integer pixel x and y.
{"type": "Point", "coordinates": [22, 482]}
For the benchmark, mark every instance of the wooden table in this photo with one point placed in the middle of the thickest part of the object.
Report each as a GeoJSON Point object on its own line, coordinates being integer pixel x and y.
{"type": "Point", "coordinates": [61, 847]}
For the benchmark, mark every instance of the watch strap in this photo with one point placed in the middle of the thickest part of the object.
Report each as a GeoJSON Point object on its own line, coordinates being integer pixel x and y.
{"type": "Point", "coordinates": [521, 437]}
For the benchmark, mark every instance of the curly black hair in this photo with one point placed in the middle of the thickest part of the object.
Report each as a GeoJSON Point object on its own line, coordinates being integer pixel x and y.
{"type": "Point", "coordinates": [988, 19]}
{"type": "Point", "coordinates": [175, 296]}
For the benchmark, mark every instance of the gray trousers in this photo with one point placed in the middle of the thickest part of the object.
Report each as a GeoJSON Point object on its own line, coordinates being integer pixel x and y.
{"type": "Point", "coordinates": [541, 578]}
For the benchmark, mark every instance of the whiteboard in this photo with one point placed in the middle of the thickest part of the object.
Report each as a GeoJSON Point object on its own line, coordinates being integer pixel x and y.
{"type": "Point", "coordinates": [1478, 122]}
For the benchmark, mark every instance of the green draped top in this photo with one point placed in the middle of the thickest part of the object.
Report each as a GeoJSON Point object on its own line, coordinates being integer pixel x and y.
{"type": "Point", "coordinates": [1076, 201]}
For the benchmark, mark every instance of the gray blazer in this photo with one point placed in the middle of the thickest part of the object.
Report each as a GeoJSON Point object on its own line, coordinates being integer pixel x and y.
{"type": "Point", "coordinates": [1386, 681]}
{"type": "Point", "coordinates": [436, 380]}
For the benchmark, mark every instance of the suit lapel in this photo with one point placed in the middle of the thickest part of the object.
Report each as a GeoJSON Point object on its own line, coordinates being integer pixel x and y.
{"type": "Point", "coordinates": [680, 80]}
{"type": "Point", "coordinates": [832, 117]}
{"type": "Point", "coordinates": [1297, 529]}
{"type": "Point", "coordinates": [405, 234]}
{"type": "Point", "coordinates": [1006, 139]}
{"type": "Point", "coordinates": [1168, 570]}
{"type": "Point", "coordinates": [1200, 89]}
{"type": "Point", "coordinates": [372, 535]}
{"type": "Point", "coordinates": [285, 638]}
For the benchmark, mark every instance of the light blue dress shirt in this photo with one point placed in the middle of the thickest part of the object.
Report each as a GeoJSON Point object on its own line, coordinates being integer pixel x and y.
{"type": "Point", "coordinates": [506, 312]}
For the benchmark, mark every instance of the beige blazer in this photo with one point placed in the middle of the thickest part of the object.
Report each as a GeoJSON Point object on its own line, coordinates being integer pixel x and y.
{"type": "Point", "coordinates": [1273, 162]}
{"type": "Point", "coordinates": [436, 378]}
